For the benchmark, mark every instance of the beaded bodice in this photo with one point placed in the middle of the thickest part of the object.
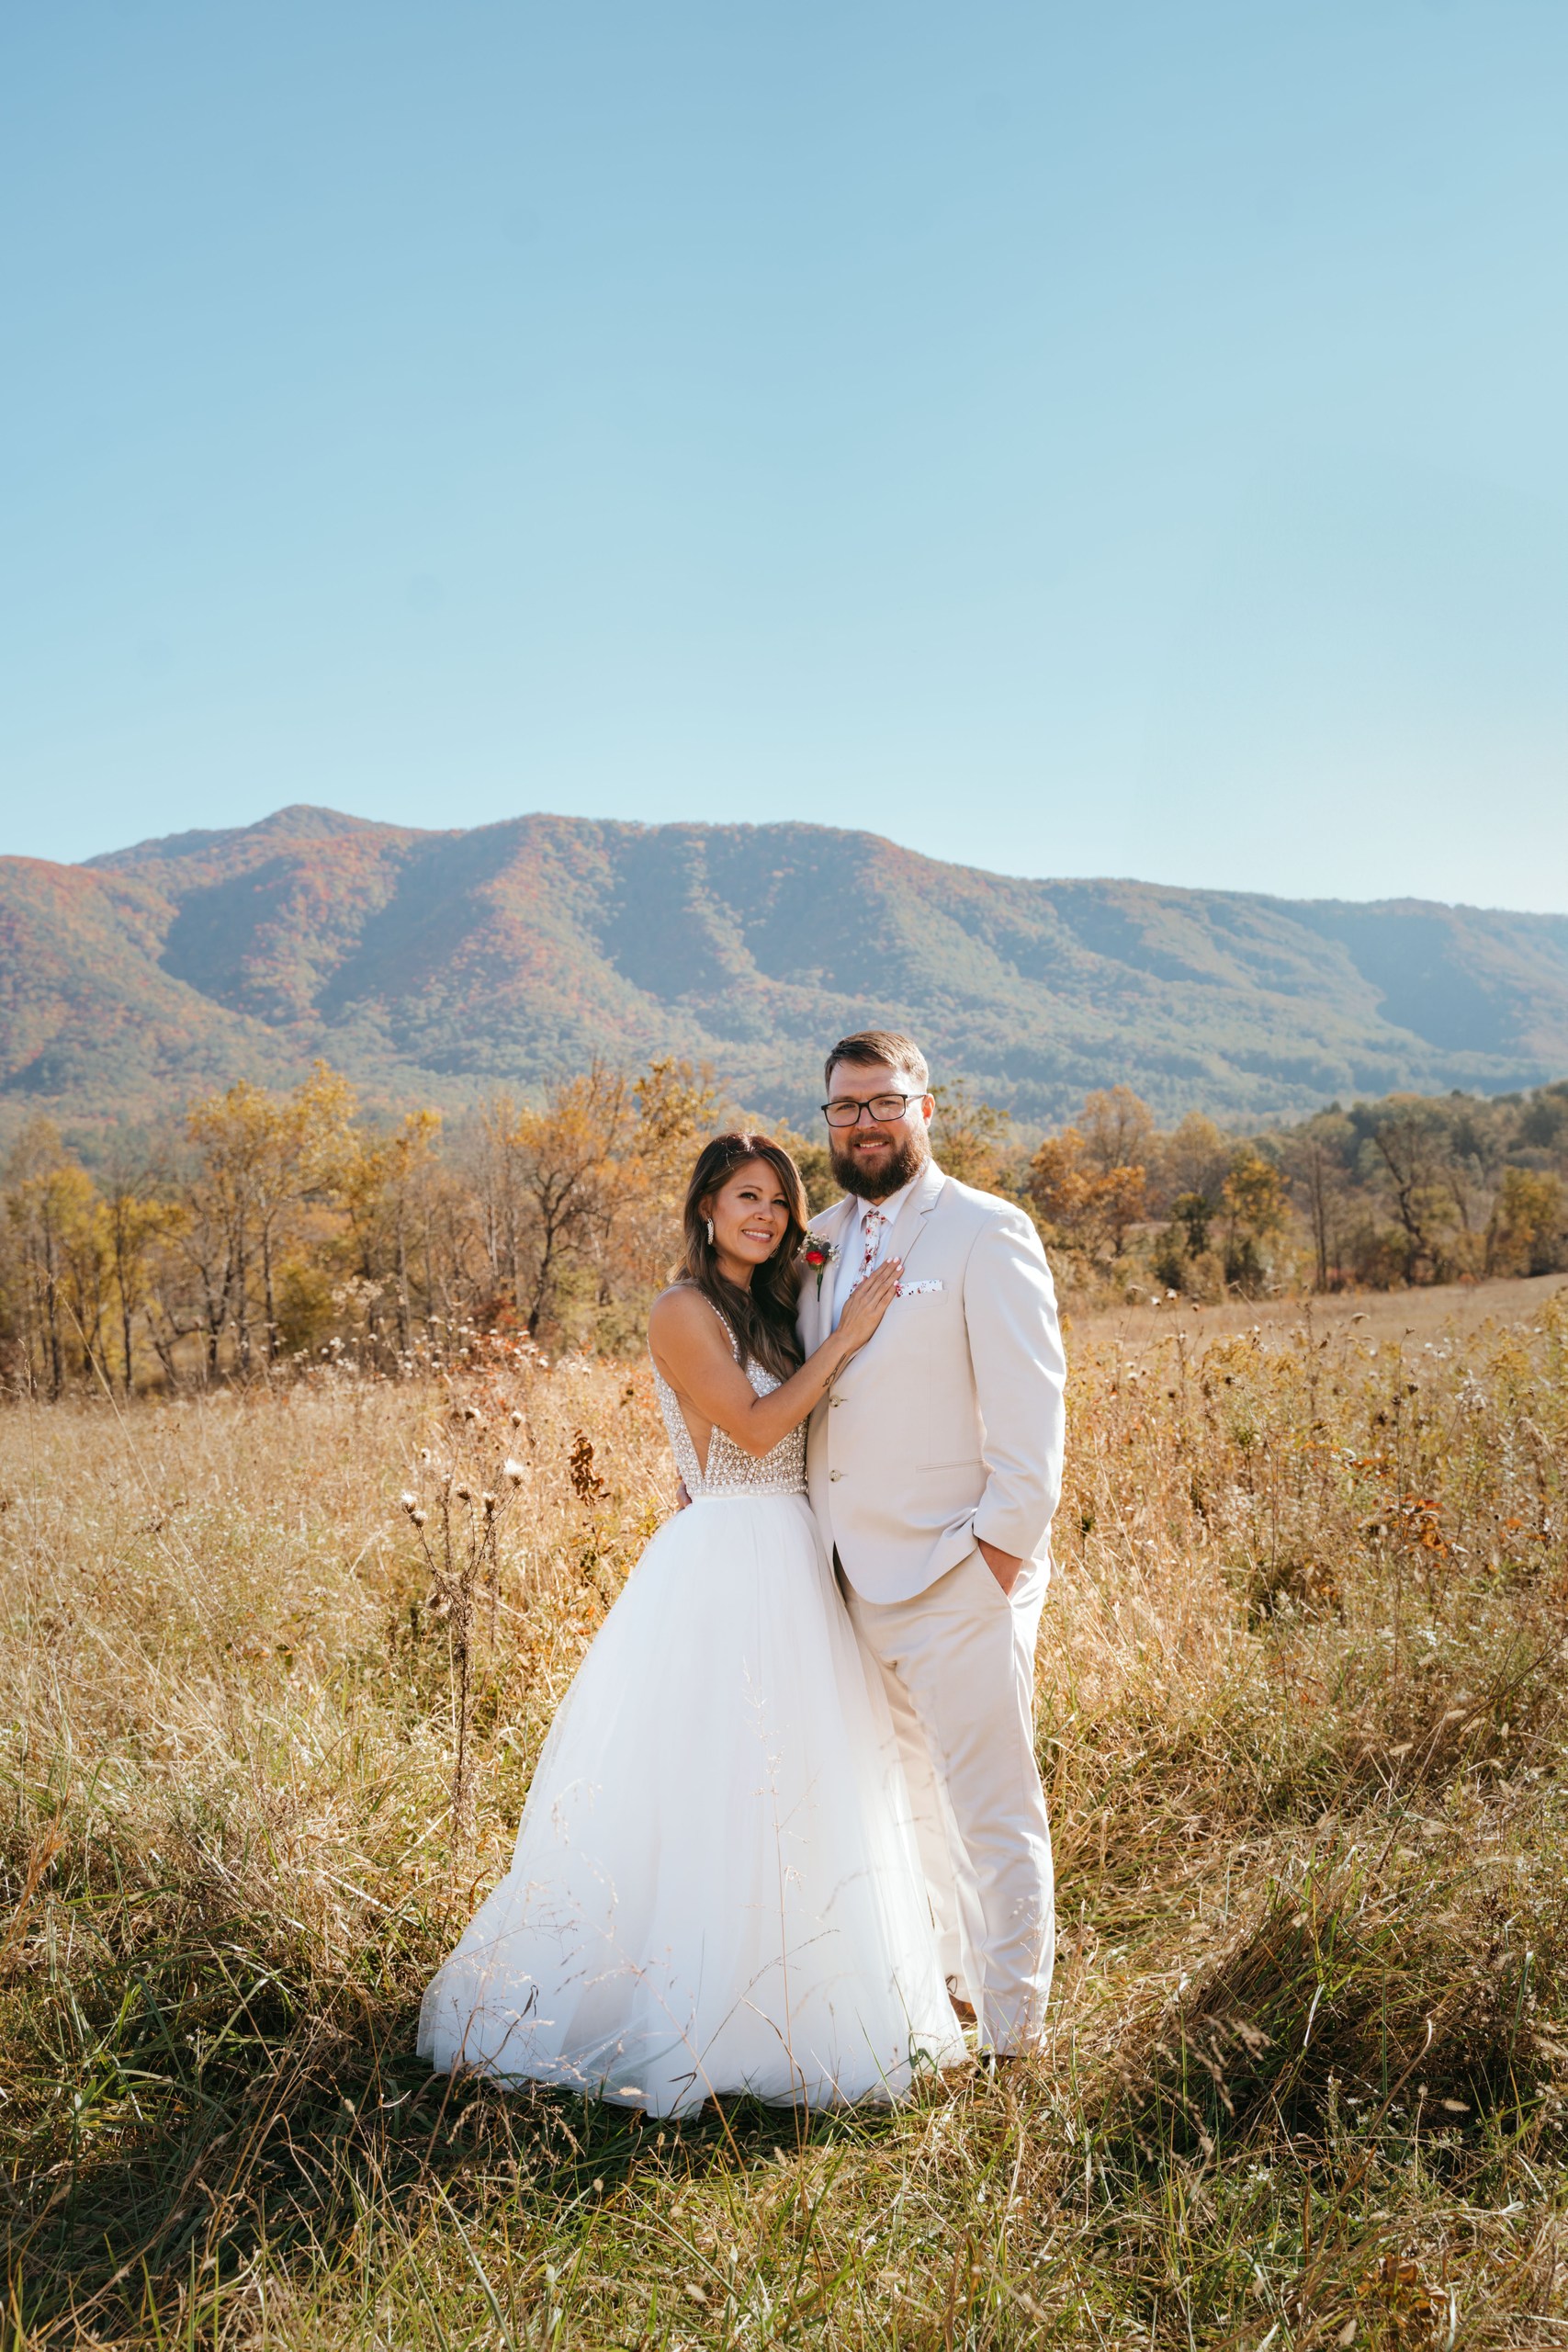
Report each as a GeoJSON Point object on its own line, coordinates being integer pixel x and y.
{"type": "Point", "coordinates": [731, 1470]}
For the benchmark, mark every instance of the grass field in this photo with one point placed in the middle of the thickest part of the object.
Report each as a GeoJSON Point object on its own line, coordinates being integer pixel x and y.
{"type": "Point", "coordinates": [1303, 1722]}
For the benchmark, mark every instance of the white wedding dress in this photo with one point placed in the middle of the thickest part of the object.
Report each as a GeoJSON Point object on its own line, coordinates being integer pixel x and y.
{"type": "Point", "coordinates": [716, 1886]}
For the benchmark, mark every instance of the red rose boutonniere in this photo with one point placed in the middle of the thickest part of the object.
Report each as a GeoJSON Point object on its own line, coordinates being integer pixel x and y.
{"type": "Point", "coordinates": [819, 1255]}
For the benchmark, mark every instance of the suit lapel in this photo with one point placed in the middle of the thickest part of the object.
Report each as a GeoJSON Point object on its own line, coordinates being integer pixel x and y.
{"type": "Point", "coordinates": [832, 1226]}
{"type": "Point", "coordinates": [838, 1226]}
{"type": "Point", "coordinates": [911, 1219]}
{"type": "Point", "coordinates": [907, 1228]}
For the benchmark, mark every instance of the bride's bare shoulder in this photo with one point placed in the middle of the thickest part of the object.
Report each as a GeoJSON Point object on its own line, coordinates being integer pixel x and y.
{"type": "Point", "coordinates": [680, 1312]}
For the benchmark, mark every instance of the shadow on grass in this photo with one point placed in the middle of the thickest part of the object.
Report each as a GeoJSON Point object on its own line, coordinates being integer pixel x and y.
{"type": "Point", "coordinates": [219, 2111]}
{"type": "Point", "coordinates": [1361, 2000]}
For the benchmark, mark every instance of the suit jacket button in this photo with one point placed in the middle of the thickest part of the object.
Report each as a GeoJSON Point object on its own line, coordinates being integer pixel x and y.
{"type": "Point", "coordinates": [835, 1473]}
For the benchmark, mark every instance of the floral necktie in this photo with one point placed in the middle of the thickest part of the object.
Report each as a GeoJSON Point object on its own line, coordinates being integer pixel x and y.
{"type": "Point", "coordinates": [871, 1223]}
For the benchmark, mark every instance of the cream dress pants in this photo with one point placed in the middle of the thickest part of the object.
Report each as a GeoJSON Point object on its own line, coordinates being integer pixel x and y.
{"type": "Point", "coordinates": [958, 1664]}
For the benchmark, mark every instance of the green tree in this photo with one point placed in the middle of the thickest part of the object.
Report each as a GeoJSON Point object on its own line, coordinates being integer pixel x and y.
{"type": "Point", "coordinates": [1253, 1202]}
{"type": "Point", "coordinates": [1408, 1148]}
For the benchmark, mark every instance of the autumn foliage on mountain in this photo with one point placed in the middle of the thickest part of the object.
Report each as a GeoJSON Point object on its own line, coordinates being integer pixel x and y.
{"type": "Point", "coordinates": [440, 966]}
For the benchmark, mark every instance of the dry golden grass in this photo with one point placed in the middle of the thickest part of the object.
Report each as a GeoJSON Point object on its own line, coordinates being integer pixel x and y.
{"type": "Point", "coordinates": [1457, 1308]}
{"type": "Point", "coordinates": [1302, 1717]}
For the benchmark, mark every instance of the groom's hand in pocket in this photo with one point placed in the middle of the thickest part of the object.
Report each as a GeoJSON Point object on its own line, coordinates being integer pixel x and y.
{"type": "Point", "coordinates": [1004, 1566]}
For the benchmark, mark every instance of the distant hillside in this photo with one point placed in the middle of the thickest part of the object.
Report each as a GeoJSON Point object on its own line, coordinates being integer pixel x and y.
{"type": "Point", "coordinates": [444, 964]}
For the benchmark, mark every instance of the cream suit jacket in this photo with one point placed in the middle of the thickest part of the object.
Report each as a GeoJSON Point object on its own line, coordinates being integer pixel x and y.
{"type": "Point", "coordinates": [947, 1426]}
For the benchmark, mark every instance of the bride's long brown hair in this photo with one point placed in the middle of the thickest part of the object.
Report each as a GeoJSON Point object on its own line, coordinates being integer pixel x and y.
{"type": "Point", "coordinates": [763, 1315]}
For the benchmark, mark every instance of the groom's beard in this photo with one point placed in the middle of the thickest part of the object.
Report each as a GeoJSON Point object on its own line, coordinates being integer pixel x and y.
{"type": "Point", "coordinates": [884, 1175]}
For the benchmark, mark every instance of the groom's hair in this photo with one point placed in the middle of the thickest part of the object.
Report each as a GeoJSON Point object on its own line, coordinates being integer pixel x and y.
{"type": "Point", "coordinates": [889, 1046]}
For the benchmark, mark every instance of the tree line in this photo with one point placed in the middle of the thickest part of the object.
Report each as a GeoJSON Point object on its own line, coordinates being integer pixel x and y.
{"type": "Point", "coordinates": [268, 1230]}
{"type": "Point", "coordinates": [1405, 1191]}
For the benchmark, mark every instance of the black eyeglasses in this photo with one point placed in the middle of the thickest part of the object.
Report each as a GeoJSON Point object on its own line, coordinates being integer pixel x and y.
{"type": "Point", "coordinates": [883, 1107]}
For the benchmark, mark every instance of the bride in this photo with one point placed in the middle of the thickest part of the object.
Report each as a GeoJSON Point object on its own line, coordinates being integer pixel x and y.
{"type": "Point", "coordinates": [716, 1886]}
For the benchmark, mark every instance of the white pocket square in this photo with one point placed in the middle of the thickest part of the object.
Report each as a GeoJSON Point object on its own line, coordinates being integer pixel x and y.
{"type": "Point", "coordinates": [918, 1290]}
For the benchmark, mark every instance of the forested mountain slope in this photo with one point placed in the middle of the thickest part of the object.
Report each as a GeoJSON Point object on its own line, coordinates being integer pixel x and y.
{"type": "Point", "coordinates": [444, 964]}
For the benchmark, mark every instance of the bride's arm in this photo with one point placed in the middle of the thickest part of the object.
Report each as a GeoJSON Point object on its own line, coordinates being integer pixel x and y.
{"type": "Point", "coordinates": [691, 1350]}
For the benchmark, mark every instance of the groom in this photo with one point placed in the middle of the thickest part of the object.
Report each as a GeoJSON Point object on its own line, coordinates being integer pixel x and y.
{"type": "Point", "coordinates": [935, 1465]}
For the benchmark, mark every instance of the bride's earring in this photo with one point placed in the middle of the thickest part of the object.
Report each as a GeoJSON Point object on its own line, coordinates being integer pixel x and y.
{"type": "Point", "coordinates": [710, 1233]}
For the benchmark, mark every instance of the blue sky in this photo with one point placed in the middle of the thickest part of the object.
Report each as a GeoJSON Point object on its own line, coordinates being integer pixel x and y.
{"type": "Point", "coordinates": [1068, 440]}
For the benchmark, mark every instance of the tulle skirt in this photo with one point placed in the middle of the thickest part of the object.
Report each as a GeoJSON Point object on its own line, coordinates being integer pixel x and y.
{"type": "Point", "coordinates": [716, 1886]}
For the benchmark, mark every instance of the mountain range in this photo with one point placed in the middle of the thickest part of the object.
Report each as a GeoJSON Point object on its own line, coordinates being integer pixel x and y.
{"type": "Point", "coordinates": [438, 966]}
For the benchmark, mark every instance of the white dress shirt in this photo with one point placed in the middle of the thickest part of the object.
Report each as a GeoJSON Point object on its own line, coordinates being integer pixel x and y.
{"type": "Point", "coordinates": [851, 1266]}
